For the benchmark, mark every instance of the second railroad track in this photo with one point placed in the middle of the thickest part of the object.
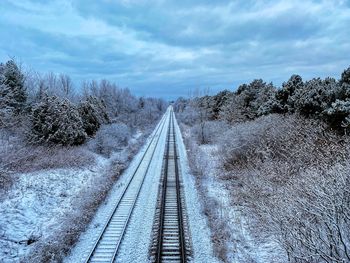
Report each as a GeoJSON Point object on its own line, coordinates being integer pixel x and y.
{"type": "Point", "coordinates": [171, 241]}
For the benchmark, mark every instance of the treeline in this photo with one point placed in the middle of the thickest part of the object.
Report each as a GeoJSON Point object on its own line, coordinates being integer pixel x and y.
{"type": "Point", "coordinates": [47, 109]}
{"type": "Point", "coordinates": [327, 99]}
{"type": "Point", "coordinates": [283, 153]}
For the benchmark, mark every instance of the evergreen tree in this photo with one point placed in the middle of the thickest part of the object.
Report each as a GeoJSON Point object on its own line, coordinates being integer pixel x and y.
{"type": "Point", "coordinates": [344, 83]}
{"type": "Point", "coordinates": [13, 78]}
{"type": "Point", "coordinates": [93, 114]}
{"type": "Point", "coordinates": [316, 96]}
{"type": "Point", "coordinates": [89, 117]}
{"type": "Point", "coordinates": [338, 115]}
{"type": "Point", "coordinates": [57, 121]}
{"type": "Point", "coordinates": [220, 100]}
{"type": "Point", "coordinates": [285, 96]}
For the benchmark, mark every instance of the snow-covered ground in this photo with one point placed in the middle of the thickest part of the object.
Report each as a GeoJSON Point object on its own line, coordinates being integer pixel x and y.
{"type": "Point", "coordinates": [35, 203]}
{"type": "Point", "coordinates": [38, 203]}
{"type": "Point", "coordinates": [229, 224]}
{"type": "Point", "coordinates": [200, 233]}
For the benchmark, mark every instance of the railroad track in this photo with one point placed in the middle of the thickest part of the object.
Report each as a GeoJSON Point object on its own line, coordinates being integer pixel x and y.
{"type": "Point", "coordinates": [171, 238]}
{"type": "Point", "coordinates": [106, 246]}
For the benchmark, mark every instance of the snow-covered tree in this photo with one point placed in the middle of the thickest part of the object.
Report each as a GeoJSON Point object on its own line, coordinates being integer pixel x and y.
{"type": "Point", "coordinates": [180, 104]}
{"type": "Point", "coordinates": [93, 114]}
{"type": "Point", "coordinates": [249, 101]}
{"type": "Point", "coordinates": [14, 79]}
{"type": "Point", "coordinates": [316, 96]}
{"type": "Point", "coordinates": [283, 100]}
{"type": "Point", "coordinates": [7, 101]}
{"type": "Point", "coordinates": [219, 102]}
{"type": "Point", "coordinates": [285, 96]}
{"type": "Point", "coordinates": [12, 93]}
{"type": "Point", "coordinates": [56, 120]}
{"type": "Point", "coordinates": [89, 117]}
{"type": "Point", "coordinates": [345, 85]}
{"type": "Point", "coordinates": [338, 115]}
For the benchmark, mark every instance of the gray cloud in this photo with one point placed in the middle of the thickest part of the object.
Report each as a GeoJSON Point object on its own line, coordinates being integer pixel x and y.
{"type": "Point", "coordinates": [167, 48]}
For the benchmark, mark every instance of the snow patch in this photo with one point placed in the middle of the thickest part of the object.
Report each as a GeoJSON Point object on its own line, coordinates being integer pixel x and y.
{"type": "Point", "coordinates": [35, 203]}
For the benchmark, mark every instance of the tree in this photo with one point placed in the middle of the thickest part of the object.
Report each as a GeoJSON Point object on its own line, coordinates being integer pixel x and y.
{"type": "Point", "coordinates": [344, 83]}
{"type": "Point", "coordinates": [93, 113]}
{"type": "Point", "coordinates": [12, 93]}
{"type": "Point", "coordinates": [13, 78]}
{"type": "Point", "coordinates": [285, 95]}
{"type": "Point", "coordinates": [316, 96]}
{"type": "Point", "coordinates": [57, 121]}
{"type": "Point", "coordinates": [249, 101]}
{"type": "Point", "coordinates": [338, 115]}
{"type": "Point", "coordinates": [220, 100]}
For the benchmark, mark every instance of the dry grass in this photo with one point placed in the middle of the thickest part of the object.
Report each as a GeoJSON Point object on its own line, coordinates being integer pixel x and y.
{"type": "Point", "coordinates": [55, 247]}
{"type": "Point", "coordinates": [289, 175]}
{"type": "Point", "coordinates": [23, 159]}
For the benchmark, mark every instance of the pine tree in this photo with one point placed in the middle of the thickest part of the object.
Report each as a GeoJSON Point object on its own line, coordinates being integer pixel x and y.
{"type": "Point", "coordinates": [93, 114]}
{"type": "Point", "coordinates": [285, 96]}
{"type": "Point", "coordinates": [345, 85]}
{"type": "Point", "coordinates": [316, 96]}
{"type": "Point", "coordinates": [12, 93]}
{"type": "Point", "coordinates": [14, 79]}
{"type": "Point", "coordinates": [338, 115]}
{"type": "Point", "coordinates": [89, 117]}
{"type": "Point", "coordinates": [57, 121]}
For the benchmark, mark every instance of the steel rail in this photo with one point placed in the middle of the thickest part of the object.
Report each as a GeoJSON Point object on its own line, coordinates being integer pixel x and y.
{"type": "Point", "coordinates": [157, 136]}
{"type": "Point", "coordinates": [159, 257]}
{"type": "Point", "coordinates": [162, 205]}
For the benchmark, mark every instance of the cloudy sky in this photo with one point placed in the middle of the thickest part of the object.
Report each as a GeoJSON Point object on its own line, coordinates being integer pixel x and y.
{"type": "Point", "coordinates": [170, 48]}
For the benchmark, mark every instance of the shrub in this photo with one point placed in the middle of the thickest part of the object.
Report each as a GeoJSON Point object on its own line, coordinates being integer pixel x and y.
{"type": "Point", "coordinates": [207, 132]}
{"type": "Point", "coordinates": [90, 121]}
{"type": "Point", "coordinates": [110, 138]}
{"type": "Point", "coordinates": [291, 177]}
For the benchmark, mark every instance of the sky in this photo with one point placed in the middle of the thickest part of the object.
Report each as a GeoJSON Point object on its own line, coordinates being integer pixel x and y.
{"type": "Point", "coordinates": [172, 48]}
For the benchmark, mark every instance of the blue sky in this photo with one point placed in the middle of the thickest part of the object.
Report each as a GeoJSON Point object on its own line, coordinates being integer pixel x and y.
{"type": "Point", "coordinates": [170, 48]}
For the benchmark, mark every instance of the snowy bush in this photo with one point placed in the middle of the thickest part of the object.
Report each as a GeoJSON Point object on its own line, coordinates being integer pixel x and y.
{"type": "Point", "coordinates": [207, 132]}
{"type": "Point", "coordinates": [32, 158]}
{"type": "Point", "coordinates": [110, 138]}
{"type": "Point", "coordinates": [285, 174]}
{"type": "Point", "coordinates": [57, 121]}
